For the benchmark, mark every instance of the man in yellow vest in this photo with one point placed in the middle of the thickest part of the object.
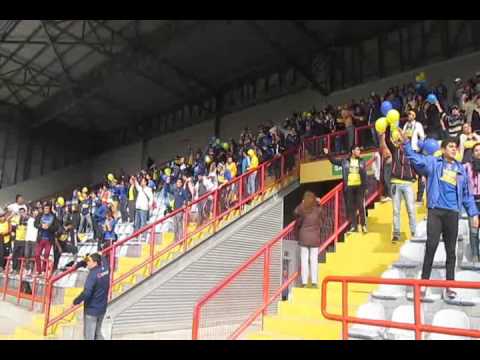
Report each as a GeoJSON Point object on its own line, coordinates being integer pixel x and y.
{"type": "Point", "coordinates": [5, 246]}
{"type": "Point", "coordinates": [252, 179]}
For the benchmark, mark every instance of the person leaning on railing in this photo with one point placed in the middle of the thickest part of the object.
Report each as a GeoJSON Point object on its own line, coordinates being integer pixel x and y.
{"type": "Point", "coordinates": [354, 174]}
{"type": "Point", "coordinates": [94, 296]}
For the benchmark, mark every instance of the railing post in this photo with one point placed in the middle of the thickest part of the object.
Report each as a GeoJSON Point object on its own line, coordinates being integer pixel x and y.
{"type": "Point", "coordinates": [282, 167]}
{"type": "Point", "coordinates": [344, 310]}
{"type": "Point", "coordinates": [112, 270]}
{"type": "Point", "coordinates": [337, 215]}
{"type": "Point", "coordinates": [34, 292]}
{"type": "Point", "coordinates": [417, 310]}
{"type": "Point", "coordinates": [19, 290]}
{"type": "Point", "coordinates": [266, 277]}
{"type": "Point", "coordinates": [152, 249]}
{"type": "Point", "coordinates": [262, 178]}
{"type": "Point", "coordinates": [240, 193]}
{"type": "Point", "coordinates": [48, 303]}
{"type": "Point", "coordinates": [185, 227]}
{"type": "Point", "coordinates": [5, 278]}
{"type": "Point", "coordinates": [196, 322]}
{"type": "Point", "coordinates": [215, 210]}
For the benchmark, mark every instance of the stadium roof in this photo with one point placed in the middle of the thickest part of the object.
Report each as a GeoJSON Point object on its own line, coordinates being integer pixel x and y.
{"type": "Point", "coordinates": [101, 74]}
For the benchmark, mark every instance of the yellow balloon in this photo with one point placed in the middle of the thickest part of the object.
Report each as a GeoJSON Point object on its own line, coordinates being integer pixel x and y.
{"type": "Point", "coordinates": [393, 117]}
{"type": "Point", "coordinates": [381, 125]}
{"type": "Point", "coordinates": [110, 177]}
{"type": "Point", "coordinates": [394, 126]}
{"type": "Point", "coordinates": [438, 153]}
{"type": "Point", "coordinates": [396, 135]}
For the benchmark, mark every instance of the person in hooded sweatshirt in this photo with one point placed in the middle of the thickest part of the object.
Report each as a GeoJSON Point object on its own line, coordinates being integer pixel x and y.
{"type": "Point", "coordinates": [252, 179]}
{"type": "Point", "coordinates": [94, 297]}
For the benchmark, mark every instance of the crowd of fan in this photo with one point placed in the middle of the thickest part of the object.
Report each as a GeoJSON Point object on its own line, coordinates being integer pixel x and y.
{"type": "Point", "coordinates": [32, 231]}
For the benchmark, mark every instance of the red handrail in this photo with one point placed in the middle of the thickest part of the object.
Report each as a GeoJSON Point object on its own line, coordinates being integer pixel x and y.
{"type": "Point", "coordinates": [265, 251]}
{"type": "Point", "coordinates": [418, 326]}
{"type": "Point", "coordinates": [110, 251]}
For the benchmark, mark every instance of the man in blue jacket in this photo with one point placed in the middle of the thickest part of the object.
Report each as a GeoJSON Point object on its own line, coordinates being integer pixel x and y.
{"type": "Point", "coordinates": [94, 297]}
{"type": "Point", "coordinates": [447, 192]}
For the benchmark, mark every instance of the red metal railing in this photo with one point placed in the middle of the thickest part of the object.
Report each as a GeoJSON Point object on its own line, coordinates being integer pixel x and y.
{"type": "Point", "coordinates": [418, 326]}
{"type": "Point", "coordinates": [214, 310]}
{"type": "Point", "coordinates": [206, 213]}
{"type": "Point", "coordinates": [18, 293]}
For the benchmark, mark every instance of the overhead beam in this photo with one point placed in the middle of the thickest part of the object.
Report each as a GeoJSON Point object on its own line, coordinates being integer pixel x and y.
{"type": "Point", "coordinates": [307, 73]}
{"type": "Point", "coordinates": [125, 61]}
{"type": "Point", "coordinates": [164, 61]}
{"type": "Point", "coordinates": [94, 82]}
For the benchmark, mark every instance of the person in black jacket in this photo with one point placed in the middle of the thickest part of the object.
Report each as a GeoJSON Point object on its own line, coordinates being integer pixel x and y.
{"type": "Point", "coordinates": [94, 297]}
{"type": "Point", "coordinates": [402, 178]}
{"type": "Point", "coordinates": [355, 180]}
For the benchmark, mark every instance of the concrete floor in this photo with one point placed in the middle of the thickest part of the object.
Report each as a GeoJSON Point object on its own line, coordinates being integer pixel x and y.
{"type": "Point", "coordinates": [12, 316]}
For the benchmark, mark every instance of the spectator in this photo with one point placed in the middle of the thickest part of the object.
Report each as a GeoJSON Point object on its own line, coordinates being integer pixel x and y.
{"type": "Point", "coordinates": [402, 178]}
{"type": "Point", "coordinates": [447, 192]}
{"type": "Point", "coordinates": [95, 297]}
{"type": "Point", "coordinates": [5, 241]}
{"type": "Point", "coordinates": [47, 226]}
{"type": "Point", "coordinates": [413, 130]}
{"type": "Point", "coordinates": [252, 179]}
{"type": "Point", "coordinates": [86, 205]}
{"type": "Point", "coordinates": [355, 180]}
{"type": "Point", "coordinates": [452, 124]}
{"type": "Point", "coordinates": [433, 126]}
{"type": "Point", "coordinates": [143, 203]}
{"type": "Point", "coordinates": [17, 205]}
{"type": "Point", "coordinates": [31, 239]}
{"type": "Point", "coordinates": [467, 140]}
{"type": "Point", "coordinates": [475, 122]}
{"type": "Point", "coordinates": [108, 234]}
{"type": "Point", "coordinates": [20, 238]}
{"type": "Point", "coordinates": [308, 230]}
{"type": "Point", "coordinates": [472, 169]}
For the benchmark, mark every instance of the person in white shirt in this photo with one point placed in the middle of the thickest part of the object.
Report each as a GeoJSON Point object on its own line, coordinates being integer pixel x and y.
{"type": "Point", "coordinates": [19, 203]}
{"type": "Point", "coordinates": [143, 204]}
{"type": "Point", "coordinates": [30, 240]}
{"type": "Point", "coordinates": [414, 130]}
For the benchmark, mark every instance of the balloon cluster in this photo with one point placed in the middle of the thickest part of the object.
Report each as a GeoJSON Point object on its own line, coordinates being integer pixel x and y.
{"type": "Point", "coordinates": [391, 118]}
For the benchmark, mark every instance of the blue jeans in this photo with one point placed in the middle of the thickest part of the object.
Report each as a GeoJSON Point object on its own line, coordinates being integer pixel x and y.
{"type": "Point", "coordinates": [251, 185]}
{"type": "Point", "coordinates": [141, 218]}
{"type": "Point", "coordinates": [405, 191]}
{"type": "Point", "coordinates": [92, 327]}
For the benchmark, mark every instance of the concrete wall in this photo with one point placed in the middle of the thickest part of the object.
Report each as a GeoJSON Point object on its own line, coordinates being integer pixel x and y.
{"type": "Point", "coordinates": [47, 185]}
{"type": "Point", "coordinates": [165, 147]}
{"type": "Point", "coordinates": [128, 158]}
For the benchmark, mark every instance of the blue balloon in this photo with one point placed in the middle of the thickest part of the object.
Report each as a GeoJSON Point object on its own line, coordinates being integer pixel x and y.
{"type": "Point", "coordinates": [386, 107]}
{"type": "Point", "coordinates": [420, 144]}
{"type": "Point", "coordinates": [432, 99]}
{"type": "Point", "coordinates": [430, 146]}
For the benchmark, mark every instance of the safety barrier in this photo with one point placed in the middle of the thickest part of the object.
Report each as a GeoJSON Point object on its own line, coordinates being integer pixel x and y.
{"type": "Point", "coordinates": [418, 326]}
{"type": "Point", "coordinates": [219, 306]}
{"type": "Point", "coordinates": [21, 281]}
{"type": "Point", "coordinates": [189, 225]}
